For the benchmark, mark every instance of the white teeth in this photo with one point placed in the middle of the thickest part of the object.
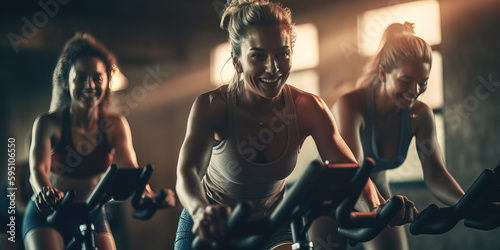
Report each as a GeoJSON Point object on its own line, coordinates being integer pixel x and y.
{"type": "Point", "coordinates": [410, 99]}
{"type": "Point", "coordinates": [269, 80]}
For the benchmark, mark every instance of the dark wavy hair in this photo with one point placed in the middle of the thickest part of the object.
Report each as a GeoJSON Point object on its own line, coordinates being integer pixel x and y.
{"type": "Point", "coordinates": [81, 45]}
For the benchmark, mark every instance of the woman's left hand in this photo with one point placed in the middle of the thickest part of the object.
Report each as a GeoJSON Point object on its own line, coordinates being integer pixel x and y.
{"type": "Point", "coordinates": [149, 199]}
{"type": "Point", "coordinates": [407, 214]}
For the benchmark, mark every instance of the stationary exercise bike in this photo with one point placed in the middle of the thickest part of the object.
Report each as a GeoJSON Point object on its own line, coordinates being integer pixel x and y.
{"type": "Point", "coordinates": [323, 189]}
{"type": "Point", "coordinates": [116, 184]}
{"type": "Point", "coordinates": [479, 208]}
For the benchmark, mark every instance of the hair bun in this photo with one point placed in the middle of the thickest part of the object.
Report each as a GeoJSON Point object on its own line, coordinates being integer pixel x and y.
{"type": "Point", "coordinates": [408, 28]}
{"type": "Point", "coordinates": [233, 6]}
{"type": "Point", "coordinates": [397, 29]}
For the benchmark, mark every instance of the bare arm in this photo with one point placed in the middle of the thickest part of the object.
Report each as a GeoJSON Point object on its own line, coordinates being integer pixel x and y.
{"type": "Point", "coordinates": [39, 155]}
{"type": "Point", "coordinates": [125, 156]}
{"type": "Point", "coordinates": [39, 160]}
{"type": "Point", "coordinates": [194, 155]}
{"type": "Point", "coordinates": [350, 122]}
{"type": "Point", "coordinates": [333, 148]}
{"type": "Point", "coordinates": [437, 178]}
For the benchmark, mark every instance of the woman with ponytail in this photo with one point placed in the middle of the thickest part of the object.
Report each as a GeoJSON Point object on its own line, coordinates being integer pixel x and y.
{"type": "Point", "coordinates": [243, 139]}
{"type": "Point", "coordinates": [380, 118]}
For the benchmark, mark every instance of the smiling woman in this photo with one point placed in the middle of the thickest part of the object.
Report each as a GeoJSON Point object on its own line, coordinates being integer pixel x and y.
{"type": "Point", "coordinates": [380, 119]}
{"type": "Point", "coordinates": [74, 143]}
{"type": "Point", "coordinates": [243, 139]}
{"type": "Point", "coordinates": [265, 61]}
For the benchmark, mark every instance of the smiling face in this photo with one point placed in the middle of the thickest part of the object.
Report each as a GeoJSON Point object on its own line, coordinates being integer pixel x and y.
{"type": "Point", "coordinates": [406, 82]}
{"type": "Point", "coordinates": [265, 60]}
{"type": "Point", "coordinates": [88, 82]}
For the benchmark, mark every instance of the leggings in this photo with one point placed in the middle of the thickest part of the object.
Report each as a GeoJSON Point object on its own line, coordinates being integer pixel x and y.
{"type": "Point", "coordinates": [184, 237]}
{"type": "Point", "coordinates": [33, 219]}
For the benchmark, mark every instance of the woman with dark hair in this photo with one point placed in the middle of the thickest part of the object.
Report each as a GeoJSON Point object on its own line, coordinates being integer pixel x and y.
{"type": "Point", "coordinates": [380, 118]}
{"type": "Point", "coordinates": [75, 142]}
{"type": "Point", "coordinates": [242, 140]}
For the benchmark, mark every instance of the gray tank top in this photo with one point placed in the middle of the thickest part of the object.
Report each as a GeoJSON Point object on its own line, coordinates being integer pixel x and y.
{"type": "Point", "coordinates": [232, 176]}
{"type": "Point", "coordinates": [368, 138]}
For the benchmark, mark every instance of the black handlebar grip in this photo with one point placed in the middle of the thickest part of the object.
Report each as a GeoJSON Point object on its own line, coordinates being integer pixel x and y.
{"type": "Point", "coordinates": [475, 192]}
{"type": "Point", "coordinates": [147, 210]}
{"type": "Point", "coordinates": [240, 213]}
{"type": "Point", "coordinates": [141, 185]}
{"type": "Point", "coordinates": [61, 207]}
{"type": "Point", "coordinates": [367, 233]}
{"type": "Point", "coordinates": [486, 216]}
{"type": "Point", "coordinates": [435, 220]}
{"type": "Point", "coordinates": [427, 215]}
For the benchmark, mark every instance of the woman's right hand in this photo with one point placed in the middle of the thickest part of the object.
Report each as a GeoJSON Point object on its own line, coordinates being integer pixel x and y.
{"type": "Point", "coordinates": [210, 222]}
{"type": "Point", "coordinates": [47, 199]}
{"type": "Point", "coordinates": [407, 214]}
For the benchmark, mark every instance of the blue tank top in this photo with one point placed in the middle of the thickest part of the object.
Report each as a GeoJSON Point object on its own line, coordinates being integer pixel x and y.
{"type": "Point", "coordinates": [368, 138]}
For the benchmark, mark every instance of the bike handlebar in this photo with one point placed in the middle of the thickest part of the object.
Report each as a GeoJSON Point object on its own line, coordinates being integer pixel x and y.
{"type": "Point", "coordinates": [114, 184]}
{"type": "Point", "coordinates": [318, 192]}
{"type": "Point", "coordinates": [63, 205]}
{"type": "Point", "coordinates": [473, 207]}
{"type": "Point", "coordinates": [147, 209]}
{"type": "Point", "coordinates": [237, 218]}
{"type": "Point", "coordinates": [366, 226]}
{"type": "Point", "coordinates": [363, 226]}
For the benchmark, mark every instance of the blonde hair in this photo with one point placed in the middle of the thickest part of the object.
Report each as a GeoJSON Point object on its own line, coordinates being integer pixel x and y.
{"type": "Point", "coordinates": [399, 43]}
{"type": "Point", "coordinates": [240, 15]}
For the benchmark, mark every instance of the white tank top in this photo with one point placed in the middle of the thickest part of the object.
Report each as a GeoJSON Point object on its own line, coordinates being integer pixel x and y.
{"type": "Point", "coordinates": [232, 176]}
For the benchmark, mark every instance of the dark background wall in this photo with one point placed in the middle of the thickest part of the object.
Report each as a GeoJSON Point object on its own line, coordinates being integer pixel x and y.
{"type": "Point", "coordinates": [174, 38]}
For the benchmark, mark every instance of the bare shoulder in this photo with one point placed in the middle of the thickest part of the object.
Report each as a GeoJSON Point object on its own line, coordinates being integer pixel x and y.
{"type": "Point", "coordinates": [305, 100]}
{"type": "Point", "coordinates": [353, 101]}
{"type": "Point", "coordinates": [212, 104]}
{"type": "Point", "coordinates": [113, 122]}
{"type": "Point", "coordinates": [420, 111]}
{"type": "Point", "coordinates": [49, 120]}
{"type": "Point", "coordinates": [422, 116]}
{"type": "Point", "coordinates": [48, 126]}
{"type": "Point", "coordinates": [312, 112]}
